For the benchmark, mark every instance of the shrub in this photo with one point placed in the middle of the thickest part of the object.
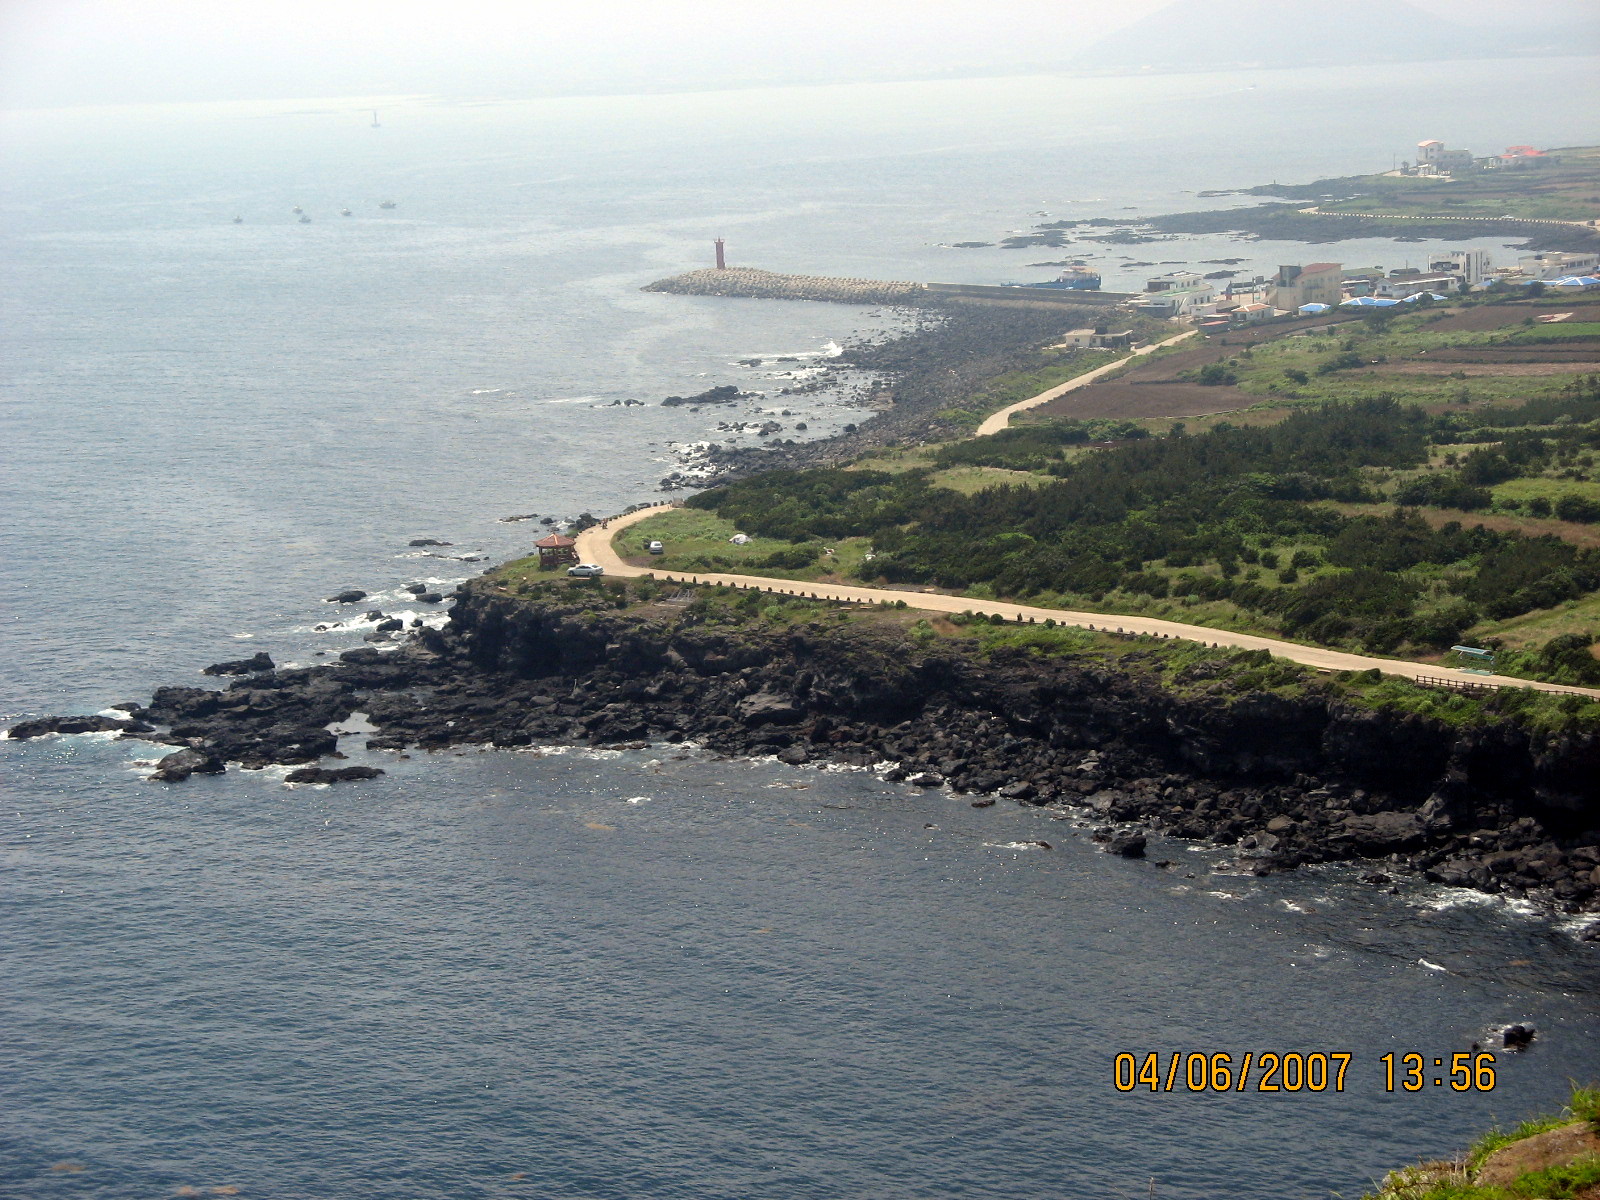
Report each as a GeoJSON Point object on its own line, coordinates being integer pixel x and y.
{"type": "Point", "coordinates": [795, 559]}
{"type": "Point", "coordinates": [1578, 508]}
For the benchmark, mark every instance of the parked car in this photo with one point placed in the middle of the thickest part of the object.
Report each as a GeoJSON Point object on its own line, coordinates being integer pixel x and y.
{"type": "Point", "coordinates": [586, 571]}
{"type": "Point", "coordinates": [656, 548]}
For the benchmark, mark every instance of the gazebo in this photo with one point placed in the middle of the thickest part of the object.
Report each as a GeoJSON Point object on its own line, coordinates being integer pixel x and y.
{"type": "Point", "coordinates": [555, 550]}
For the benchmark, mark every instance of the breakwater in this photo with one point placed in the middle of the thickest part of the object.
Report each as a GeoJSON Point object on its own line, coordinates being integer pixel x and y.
{"type": "Point", "coordinates": [754, 284]}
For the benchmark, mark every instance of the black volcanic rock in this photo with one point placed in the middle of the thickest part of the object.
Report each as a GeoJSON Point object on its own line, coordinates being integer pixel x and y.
{"type": "Point", "coordinates": [178, 766]}
{"type": "Point", "coordinates": [24, 730]}
{"type": "Point", "coordinates": [1285, 779]}
{"type": "Point", "coordinates": [1126, 845]}
{"type": "Point", "coordinates": [331, 774]}
{"type": "Point", "coordinates": [261, 661]}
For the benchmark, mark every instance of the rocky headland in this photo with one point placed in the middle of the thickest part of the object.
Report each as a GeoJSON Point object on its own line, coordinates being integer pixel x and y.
{"type": "Point", "coordinates": [1279, 765]}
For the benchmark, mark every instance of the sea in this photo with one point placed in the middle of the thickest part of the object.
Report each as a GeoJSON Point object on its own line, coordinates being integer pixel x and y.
{"type": "Point", "coordinates": [571, 973]}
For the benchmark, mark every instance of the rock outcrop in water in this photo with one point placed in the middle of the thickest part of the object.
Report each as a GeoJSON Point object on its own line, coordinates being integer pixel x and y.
{"type": "Point", "coordinates": [1499, 807]}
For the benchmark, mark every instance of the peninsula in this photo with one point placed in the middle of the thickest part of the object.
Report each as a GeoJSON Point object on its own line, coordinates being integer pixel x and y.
{"type": "Point", "coordinates": [1319, 584]}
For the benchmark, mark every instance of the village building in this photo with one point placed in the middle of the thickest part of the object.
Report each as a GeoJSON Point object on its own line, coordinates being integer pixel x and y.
{"type": "Point", "coordinates": [1554, 264]}
{"type": "Point", "coordinates": [1471, 267]}
{"type": "Point", "coordinates": [1434, 158]}
{"type": "Point", "coordinates": [1098, 339]}
{"type": "Point", "coordinates": [1180, 294]}
{"type": "Point", "coordinates": [1319, 283]}
{"type": "Point", "coordinates": [1521, 158]}
{"type": "Point", "coordinates": [1408, 283]}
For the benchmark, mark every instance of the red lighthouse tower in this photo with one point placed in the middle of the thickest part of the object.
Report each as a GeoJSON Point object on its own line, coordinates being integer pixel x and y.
{"type": "Point", "coordinates": [722, 262]}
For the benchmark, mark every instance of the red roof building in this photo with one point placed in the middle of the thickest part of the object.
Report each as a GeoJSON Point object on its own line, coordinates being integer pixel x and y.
{"type": "Point", "coordinates": [556, 549]}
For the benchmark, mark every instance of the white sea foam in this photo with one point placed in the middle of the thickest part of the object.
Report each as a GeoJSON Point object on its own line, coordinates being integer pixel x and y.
{"type": "Point", "coordinates": [1578, 926]}
{"type": "Point", "coordinates": [1445, 899]}
{"type": "Point", "coordinates": [638, 799]}
{"type": "Point", "coordinates": [829, 349]}
{"type": "Point", "coordinates": [1422, 962]}
{"type": "Point", "coordinates": [576, 400]}
{"type": "Point", "coordinates": [1014, 845]}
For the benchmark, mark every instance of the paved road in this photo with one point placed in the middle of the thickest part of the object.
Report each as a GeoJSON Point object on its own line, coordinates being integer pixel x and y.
{"type": "Point", "coordinates": [595, 546]}
{"type": "Point", "coordinates": [995, 422]}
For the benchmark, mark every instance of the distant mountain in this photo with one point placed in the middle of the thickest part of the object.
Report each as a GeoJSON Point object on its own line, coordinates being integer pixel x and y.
{"type": "Point", "coordinates": [1204, 34]}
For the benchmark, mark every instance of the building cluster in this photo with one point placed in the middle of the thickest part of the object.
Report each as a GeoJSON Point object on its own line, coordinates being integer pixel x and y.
{"type": "Point", "coordinates": [1435, 160]}
{"type": "Point", "coordinates": [1316, 287]}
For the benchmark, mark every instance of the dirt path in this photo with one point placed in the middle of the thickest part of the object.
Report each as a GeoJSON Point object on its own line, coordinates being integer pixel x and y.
{"type": "Point", "coordinates": [995, 422]}
{"type": "Point", "coordinates": [595, 546]}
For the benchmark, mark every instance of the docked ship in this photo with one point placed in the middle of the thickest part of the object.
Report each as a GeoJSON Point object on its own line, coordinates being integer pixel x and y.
{"type": "Point", "coordinates": [1078, 277]}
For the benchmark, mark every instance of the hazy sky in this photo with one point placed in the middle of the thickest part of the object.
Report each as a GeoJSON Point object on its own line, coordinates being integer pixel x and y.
{"type": "Point", "coordinates": [61, 52]}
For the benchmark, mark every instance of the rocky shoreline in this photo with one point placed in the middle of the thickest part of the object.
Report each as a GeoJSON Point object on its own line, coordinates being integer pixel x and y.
{"type": "Point", "coordinates": [1282, 782]}
{"type": "Point", "coordinates": [925, 371]}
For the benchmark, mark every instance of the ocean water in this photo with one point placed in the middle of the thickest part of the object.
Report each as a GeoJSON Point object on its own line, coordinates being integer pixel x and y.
{"type": "Point", "coordinates": [655, 973]}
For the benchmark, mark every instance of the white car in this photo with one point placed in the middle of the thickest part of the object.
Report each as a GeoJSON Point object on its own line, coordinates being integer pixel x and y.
{"type": "Point", "coordinates": [586, 571]}
{"type": "Point", "coordinates": [656, 548]}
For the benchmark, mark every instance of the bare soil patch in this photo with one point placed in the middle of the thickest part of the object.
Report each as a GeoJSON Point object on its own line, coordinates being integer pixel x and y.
{"type": "Point", "coordinates": [1572, 355]}
{"type": "Point", "coordinates": [1482, 318]}
{"type": "Point", "coordinates": [1469, 370]}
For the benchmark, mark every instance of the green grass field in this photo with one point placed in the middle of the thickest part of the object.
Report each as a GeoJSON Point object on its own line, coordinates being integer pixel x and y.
{"type": "Point", "coordinates": [697, 541]}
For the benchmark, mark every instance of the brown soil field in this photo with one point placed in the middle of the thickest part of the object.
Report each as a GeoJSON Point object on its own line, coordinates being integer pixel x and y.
{"type": "Point", "coordinates": [1126, 399]}
{"type": "Point", "coordinates": [1481, 320]}
{"type": "Point", "coordinates": [1573, 355]}
{"type": "Point", "coordinates": [1498, 316]}
{"type": "Point", "coordinates": [1478, 369]}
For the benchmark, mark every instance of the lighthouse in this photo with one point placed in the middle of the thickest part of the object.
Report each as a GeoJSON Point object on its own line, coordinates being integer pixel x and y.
{"type": "Point", "coordinates": [722, 262]}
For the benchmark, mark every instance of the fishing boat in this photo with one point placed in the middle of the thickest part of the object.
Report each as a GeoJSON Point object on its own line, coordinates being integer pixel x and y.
{"type": "Point", "coordinates": [1078, 277]}
{"type": "Point", "coordinates": [304, 220]}
{"type": "Point", "coordinates": [238, 220]}
{"type": "Point", "coordinates": [345, 212]}
{"type": "Point", "coordinates": [297, 210]}
{"type": "Point", "coordinates": [387, 204]}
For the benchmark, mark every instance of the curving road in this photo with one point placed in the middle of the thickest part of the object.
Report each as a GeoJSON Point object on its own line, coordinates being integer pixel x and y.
{"type": "Point", "coordinates": [995, 422]}
{"type": "Point", "coordinates": [595, 546]}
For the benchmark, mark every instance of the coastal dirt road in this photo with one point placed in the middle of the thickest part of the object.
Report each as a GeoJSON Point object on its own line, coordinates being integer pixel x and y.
{"type": "Point", "coordinates": [595, 545]}
{"type": "Point", "coordinates": [995, 422]}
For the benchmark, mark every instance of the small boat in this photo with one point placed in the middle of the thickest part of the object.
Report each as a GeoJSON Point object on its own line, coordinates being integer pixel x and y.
{"type": "Point", "coordinates": [297, 210]}
{"type": "Point", "coordinates": [305, 220]}
{"type": "Point", "coordinates": [345, 212]}
{"type": "Point", "coordinates": [387, 204]}
{"type": "Point", "coordinates": [238, 220]}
